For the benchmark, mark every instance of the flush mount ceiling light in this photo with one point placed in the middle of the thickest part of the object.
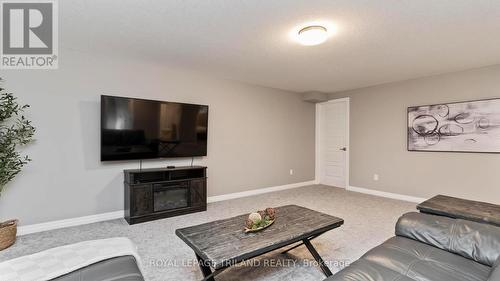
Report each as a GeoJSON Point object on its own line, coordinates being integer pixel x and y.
{"type": "Point", "coordinates": [313, 32]}
{"type": "Point", "coordinates": [312, 35]}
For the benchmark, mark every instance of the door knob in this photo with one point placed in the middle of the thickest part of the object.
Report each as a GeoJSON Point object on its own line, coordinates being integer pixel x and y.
{"type": "Point", "coordinates": [343, 149]}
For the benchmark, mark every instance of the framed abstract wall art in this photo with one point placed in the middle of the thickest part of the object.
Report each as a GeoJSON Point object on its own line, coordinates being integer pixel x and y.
{"type": "Point", "coordinates": [471, 126]}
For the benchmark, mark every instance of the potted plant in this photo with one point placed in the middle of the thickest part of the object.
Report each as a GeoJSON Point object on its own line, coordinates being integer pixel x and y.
{"type": "Point", "coordinates": [15, 131]}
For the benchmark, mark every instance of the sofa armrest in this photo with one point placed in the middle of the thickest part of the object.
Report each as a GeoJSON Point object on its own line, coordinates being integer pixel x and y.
{"type": "Point", "coordinates": [477, 241]}
{"type": "Point", "coordinates": [123, 268]}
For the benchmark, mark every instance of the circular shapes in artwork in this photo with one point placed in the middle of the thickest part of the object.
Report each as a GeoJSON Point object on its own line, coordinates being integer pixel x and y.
{"type": "Point", "coordinates": [425, 125]}
{"type": "Point", "coordinates": [483, 123]}
{"type": "Point", "coordinates": [432, 139]}
{"type": "Point", "coordinates": [451, 130]}
{"type": "Point", "coordinates": [464, 118]}
{"type": "Point", "coordinates": [442, 110]}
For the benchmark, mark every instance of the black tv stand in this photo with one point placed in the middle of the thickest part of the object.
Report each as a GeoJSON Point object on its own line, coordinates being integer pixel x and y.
{"type": "Point", "coordinates": [157, 193]}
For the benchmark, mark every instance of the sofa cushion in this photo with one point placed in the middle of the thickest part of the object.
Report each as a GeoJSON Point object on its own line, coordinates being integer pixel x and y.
{"type": "Point", "coordinates": [406, 259]}
{"type": "Point", "coordinates": [477, 241]}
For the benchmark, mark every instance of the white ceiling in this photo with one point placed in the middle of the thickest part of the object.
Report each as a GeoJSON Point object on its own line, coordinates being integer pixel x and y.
{"type": "Point", "coordinates": [378, 41]}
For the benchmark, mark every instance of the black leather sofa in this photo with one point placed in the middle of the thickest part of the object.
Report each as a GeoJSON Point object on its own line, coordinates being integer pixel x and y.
{"type": "Point", "coordinates": [431, 248]}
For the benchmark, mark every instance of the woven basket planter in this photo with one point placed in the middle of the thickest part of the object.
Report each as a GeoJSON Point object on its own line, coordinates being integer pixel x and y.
{"type": "Point", "coordinates": [8, 231]}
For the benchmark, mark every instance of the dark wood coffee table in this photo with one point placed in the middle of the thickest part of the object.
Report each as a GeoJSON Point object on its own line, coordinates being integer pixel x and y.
{"type": "Point", "coordinates": [221, 244]}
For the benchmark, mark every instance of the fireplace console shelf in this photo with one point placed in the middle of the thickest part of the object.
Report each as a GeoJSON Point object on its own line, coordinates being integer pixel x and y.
{"type": "Point", "coordinates": [158, 193]}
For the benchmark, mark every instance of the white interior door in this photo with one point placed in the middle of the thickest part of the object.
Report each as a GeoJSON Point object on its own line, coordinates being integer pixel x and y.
{"type": "Point", "coordinates": [332, 141]}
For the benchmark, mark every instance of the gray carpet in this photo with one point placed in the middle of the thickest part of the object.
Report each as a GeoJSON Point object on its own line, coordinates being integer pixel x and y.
{"type": "Point", "coordinates": [369, 220]}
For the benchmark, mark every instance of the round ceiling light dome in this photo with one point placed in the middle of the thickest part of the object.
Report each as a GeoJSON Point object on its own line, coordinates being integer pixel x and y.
{"type": "Point", "coordinates": [312, 35]}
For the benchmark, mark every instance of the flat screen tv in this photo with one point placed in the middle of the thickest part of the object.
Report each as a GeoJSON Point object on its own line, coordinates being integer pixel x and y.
{"type": "Point", "coordinates": [146, 129]}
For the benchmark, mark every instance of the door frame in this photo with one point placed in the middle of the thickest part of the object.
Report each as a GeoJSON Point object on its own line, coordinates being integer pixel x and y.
{"type": "Point", "coordinates": [318, 134]}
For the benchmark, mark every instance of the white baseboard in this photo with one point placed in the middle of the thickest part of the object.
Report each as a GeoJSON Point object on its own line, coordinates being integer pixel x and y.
{"type": "Point", "coordinates": [386, 194]}
{"type": "Point", "coordinates": [252, 192]}
{"type": "Point", "coordinates": [33, 228]}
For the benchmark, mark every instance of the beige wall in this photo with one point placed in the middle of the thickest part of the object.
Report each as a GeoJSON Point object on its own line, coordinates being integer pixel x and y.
{"type": "Point", "coordinates": [256, 135]}
{"type": "Point", "coordinates": [378, 139]}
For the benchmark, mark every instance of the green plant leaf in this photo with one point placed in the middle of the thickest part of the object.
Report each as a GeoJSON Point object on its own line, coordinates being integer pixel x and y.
{"type": "Point", "coordinates": [15, 131]}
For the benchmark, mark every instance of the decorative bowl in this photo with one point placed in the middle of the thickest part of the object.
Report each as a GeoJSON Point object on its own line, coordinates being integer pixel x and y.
{"type": "Point", "coordinates": [260, 220]}
{"type": "Point", "coordinates": [249, 230]}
